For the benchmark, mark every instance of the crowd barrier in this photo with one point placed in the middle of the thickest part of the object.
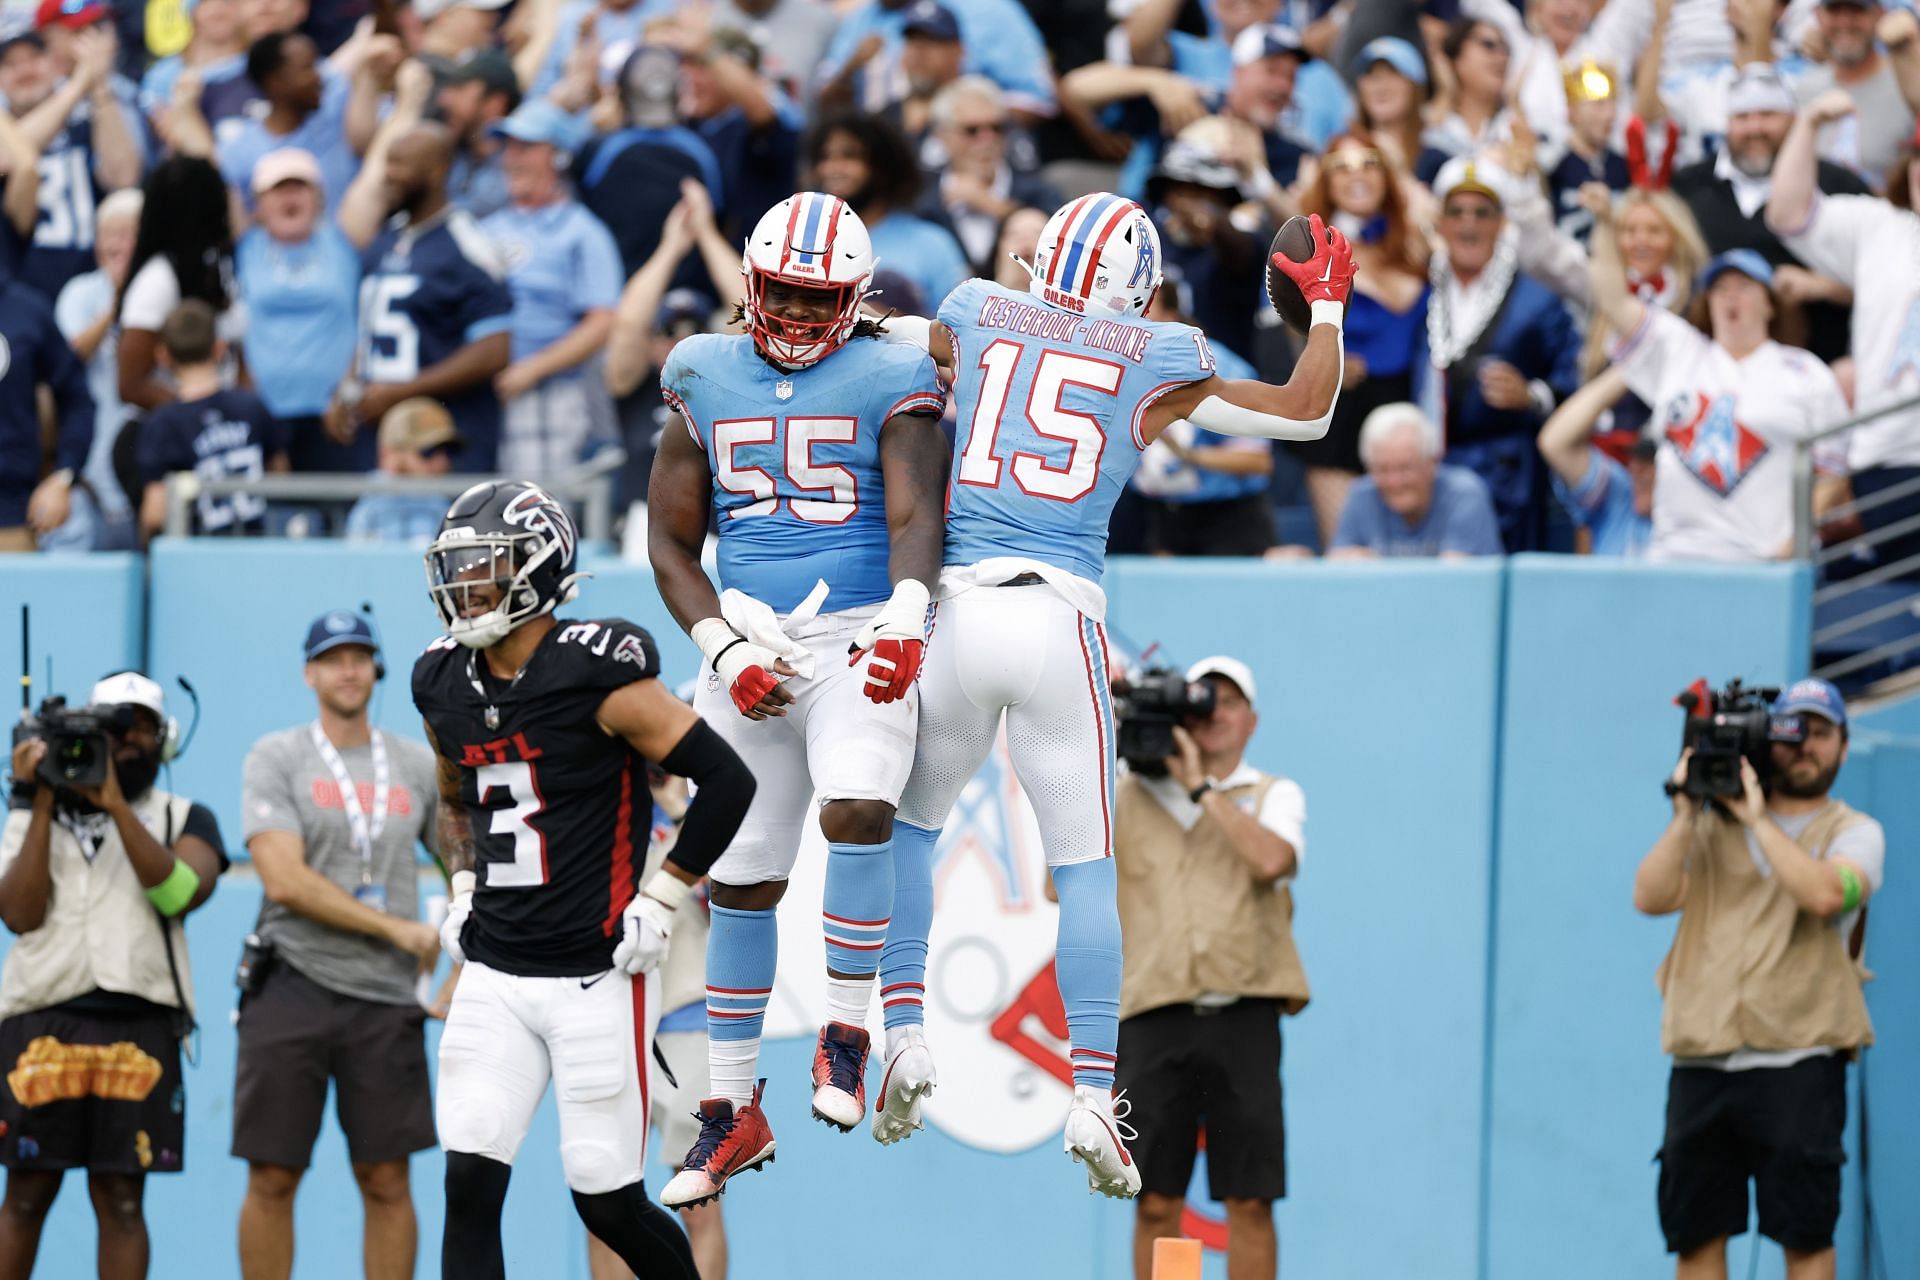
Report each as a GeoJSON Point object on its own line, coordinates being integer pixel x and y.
{"type": "Point", "coordinates": [1475, 1092]}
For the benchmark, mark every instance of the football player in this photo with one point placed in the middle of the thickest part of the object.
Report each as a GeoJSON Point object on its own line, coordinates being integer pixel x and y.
{"type": "Point", "coordinates": [544, 728]}
{"type": "Point", "coordinates": [820, 451]}
{"type": "Point", "coordinates": [1060, 389]}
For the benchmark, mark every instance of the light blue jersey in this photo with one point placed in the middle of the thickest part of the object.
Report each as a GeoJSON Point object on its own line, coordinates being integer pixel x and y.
{"type": "Point", "coordinates": [796, 460]}
{"type": "Point", "coordinates": [1051, 405]}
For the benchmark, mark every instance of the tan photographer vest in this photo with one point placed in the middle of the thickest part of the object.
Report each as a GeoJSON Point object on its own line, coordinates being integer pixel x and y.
{"type": "Point", "coordinates": [1193, 917]}
{"type": "Point", "coordinates": [1748, 967]}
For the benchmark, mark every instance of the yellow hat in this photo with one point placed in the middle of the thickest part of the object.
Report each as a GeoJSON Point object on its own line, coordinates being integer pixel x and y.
{"type": "Point", "coordinates": [1589, 82]}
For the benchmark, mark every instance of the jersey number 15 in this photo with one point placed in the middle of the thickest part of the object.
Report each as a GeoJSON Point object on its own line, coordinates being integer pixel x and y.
{"type": "Point", "coordinates": [1053, 373]}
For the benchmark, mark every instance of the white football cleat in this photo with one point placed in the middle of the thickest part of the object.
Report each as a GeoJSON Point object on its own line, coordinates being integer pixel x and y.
{"type": "Point", "coordinates": [909, 1078]}
{"type": "Point", "coordinates": [1097, 1135]}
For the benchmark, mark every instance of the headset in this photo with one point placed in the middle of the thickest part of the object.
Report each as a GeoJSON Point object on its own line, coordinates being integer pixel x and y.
{"type": "Point", "coordinates": [373, 625]}
{"type": "Point", "coordinates": [173, 742]}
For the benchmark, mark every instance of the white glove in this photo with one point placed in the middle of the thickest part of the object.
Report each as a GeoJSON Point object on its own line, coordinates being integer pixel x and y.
{"type": "Point", "coordinates": [647, 923]}
{"type": "Point", "coordinates": [744, 668]}
{"type": "Point", "coordinates": [459, 907]}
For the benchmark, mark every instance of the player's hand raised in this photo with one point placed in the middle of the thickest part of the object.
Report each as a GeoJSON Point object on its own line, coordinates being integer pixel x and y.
{"type": "Point", "coordinates": [1327, 276]}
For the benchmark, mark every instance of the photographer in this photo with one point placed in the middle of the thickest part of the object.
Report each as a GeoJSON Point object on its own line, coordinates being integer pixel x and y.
{"type": "Point", "coordinates": [334, 812]}
{"type": "Point", "coordinates": [1762, 989]}
{"type": "Point", "coordinates": [96, 993]}
{"type": "Point", "coordinates": [1204, 854]}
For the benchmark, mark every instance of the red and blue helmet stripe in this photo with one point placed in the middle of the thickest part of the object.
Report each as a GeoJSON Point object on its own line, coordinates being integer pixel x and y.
{"type": "Point", "coordinates": [1090, 221]}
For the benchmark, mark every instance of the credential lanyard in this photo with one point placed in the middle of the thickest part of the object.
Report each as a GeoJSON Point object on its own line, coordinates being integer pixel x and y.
{"type": "Point", "coordinates": [365, 832]}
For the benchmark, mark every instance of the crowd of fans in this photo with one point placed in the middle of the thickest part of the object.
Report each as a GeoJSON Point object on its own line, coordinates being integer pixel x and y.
{"type": "Point", "coordinates": [1608, 250]}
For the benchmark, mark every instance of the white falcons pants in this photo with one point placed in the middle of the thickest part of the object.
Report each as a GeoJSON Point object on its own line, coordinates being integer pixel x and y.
{"type": "Point", "coordinates": [1028, 653]}
{"type": "Point", "coordinates": [833, 741]}
{"type": "Point", "coordinates": [506, 1035]}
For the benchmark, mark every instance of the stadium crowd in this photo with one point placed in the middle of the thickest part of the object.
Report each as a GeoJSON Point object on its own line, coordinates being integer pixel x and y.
{"type": "Point", "coordinates": [1609, 250]}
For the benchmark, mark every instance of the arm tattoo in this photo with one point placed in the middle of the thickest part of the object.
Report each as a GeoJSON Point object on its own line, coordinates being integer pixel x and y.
{"type": "Point", "coordinates": [453, 829]}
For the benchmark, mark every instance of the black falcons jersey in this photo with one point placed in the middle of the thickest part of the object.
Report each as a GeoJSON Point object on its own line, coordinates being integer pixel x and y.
{"type": "Point", "coordinates": [560, 808]}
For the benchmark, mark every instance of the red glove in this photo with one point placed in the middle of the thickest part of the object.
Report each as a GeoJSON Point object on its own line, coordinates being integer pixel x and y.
{"type": "Point", "coordinates": [751, 685]}
{"type": "Point", "coordinates": [893, 667]}
{"type": "Point", "coordinates": [1328, 275]}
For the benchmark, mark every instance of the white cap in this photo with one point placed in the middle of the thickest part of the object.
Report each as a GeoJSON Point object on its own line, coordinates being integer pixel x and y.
{"type": "Point", "coordinates": [1228, 668]}
{"type": "Point", "coordinates": [286, 164]}
{"type": "Point", "coordinates": [1758, 87]}
{"type": "Point", "coordinates": [428, 10]}
{"type": "Point", "coordinates": [130, 688]}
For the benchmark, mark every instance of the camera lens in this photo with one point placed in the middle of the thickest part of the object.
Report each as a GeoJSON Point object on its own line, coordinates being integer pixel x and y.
{"type": "Point", "coordinates": [74, 757]}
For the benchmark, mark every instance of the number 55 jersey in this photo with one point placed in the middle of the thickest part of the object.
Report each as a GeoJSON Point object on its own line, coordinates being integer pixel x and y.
{"type": "Point", "coordinates": [560, 808]}
{"type": "Point", "coordinates": [795, 458]}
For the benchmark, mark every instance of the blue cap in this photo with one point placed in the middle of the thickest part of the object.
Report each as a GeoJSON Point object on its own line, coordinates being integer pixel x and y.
{"type": "Point", "coordinates": [1816, 696]}
{"type": "Point", "coordinates": [1747, 262]}
{"type": "Point", "coordinates": [341, 626]}
{"type": "Point", "coordinates": [932, 19]}
{"type": "Point", "coordinates": [538, 120]}
{"type": "Point", "coordinates": [1396, 53]}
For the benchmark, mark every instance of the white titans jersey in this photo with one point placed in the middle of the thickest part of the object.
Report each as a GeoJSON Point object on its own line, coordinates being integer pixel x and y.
{"type": "Point", "coordinates": [1865, 242]}
{"type": "Point", "coordinates": [1723, 487]}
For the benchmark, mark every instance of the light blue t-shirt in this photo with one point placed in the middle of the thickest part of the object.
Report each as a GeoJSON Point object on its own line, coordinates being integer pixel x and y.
{"type": "Point", "coordinates": [999, 37]}
{"type": "Point", "coordinates": [1602, 503]}
{"type": "Point", "coordinates": [1459, 520]}
{"type": "Point", "coordinates": [1050, 405]}
{"type": "Point", "coordinates": [924, 252]}
{"type": "Point", "coordinates": [302, 308]}
{"type": "Point", "coordinates": [795, 459]}
{"type": "Point", "coordinates": [324, 133]}
{"type": "Point", "coordinates": [561, 263]}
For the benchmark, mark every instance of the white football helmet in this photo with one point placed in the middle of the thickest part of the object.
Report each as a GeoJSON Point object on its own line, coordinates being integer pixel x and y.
{"type": "Point", "coordinates": [1098, 255]}
{"type": "Point", "coordinates": [815, 241]}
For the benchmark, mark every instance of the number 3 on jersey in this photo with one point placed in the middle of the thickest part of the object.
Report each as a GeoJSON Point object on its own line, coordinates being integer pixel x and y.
{"type": "Point", "coordinates": [1053, 373]}
{"type": "Point", "coordinates": [529, 866]}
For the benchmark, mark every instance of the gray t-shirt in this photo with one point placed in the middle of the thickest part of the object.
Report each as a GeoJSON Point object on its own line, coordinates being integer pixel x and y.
{"type": "Point", "coordinates": [286, 786]}
{"type": "Point", "coordinates": [1869, 140]}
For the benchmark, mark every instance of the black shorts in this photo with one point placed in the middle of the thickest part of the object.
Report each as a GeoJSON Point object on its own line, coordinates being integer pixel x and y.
{"type": "Point", "coordinates": [94, 1089]}
{"type": "Point", "coordinates": [1213, 1075]}
{"type": "Point", "coordinates": [1234, 527]}
{"type": "Point", "coordinates": [295, 1035]}
{"type": "Point", "coordinates": [1779, 1127]}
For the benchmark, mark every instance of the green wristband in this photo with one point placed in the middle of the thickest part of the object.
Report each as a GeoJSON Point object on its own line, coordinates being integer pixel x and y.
{"type": "Point", "coordinates": [1851, 890]}
{"type": "Point", "coordinates": [173, 894]}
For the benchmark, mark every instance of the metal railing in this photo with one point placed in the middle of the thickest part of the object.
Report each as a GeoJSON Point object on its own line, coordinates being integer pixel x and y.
{"type": "Point", "coordinates": [1902, 575]}
{"type": "Point", "coordinates": [588, 487]}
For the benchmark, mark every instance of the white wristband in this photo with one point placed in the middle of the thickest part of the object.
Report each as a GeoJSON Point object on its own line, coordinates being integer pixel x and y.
{"type": "Point", "coordinates": [1327, 311]}
{"type": "Point", "coordinates": [667, 889]}
{"type": "Point", "coordinates": [712, 635]}
{"type": "Point", "coordinates": [462, 883]}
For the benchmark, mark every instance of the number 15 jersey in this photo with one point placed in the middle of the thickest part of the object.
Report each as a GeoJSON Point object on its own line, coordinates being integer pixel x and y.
{"type": "Point", "coordinates": [1051, 405]}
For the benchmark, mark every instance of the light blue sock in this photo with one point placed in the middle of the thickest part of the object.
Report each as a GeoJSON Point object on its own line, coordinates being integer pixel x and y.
{"type": "Point", "coordinates": [903, 963]}
{"type": "Point", "coordinates": [743, 950]}
{"type": "Point", "coordinates": [853, 914]}
{"type": "Point", "coordinates": [1087, 967]}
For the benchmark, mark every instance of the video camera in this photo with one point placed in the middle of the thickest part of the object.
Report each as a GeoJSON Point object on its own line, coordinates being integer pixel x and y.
{"type": "Point", "coordinates": [76, 738]}
{"type": "Point", "coordinates": [1147, 707]}
{"type": "Point", "coordinates": [1725, 727]}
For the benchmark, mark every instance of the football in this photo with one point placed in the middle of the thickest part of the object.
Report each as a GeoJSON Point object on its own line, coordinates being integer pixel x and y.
{"type": "Point", "coordinates": [1295, 239]}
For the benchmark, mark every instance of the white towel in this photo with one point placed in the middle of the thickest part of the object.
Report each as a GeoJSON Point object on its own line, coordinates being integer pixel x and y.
{"type": "Point", "coordinates": [761, 625]}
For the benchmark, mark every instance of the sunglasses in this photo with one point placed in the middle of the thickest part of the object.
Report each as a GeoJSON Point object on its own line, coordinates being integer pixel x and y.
{"type": "Point", "coordinates": [1353, 160]}
{"type": "Point", "coordinates": [975, 130]}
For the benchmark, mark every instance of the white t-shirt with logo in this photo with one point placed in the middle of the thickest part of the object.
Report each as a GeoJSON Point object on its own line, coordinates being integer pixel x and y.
{"type": "Point", "coordinates": [1723, 484]}
{"type": "Point", "coordinates": [1868, 244]}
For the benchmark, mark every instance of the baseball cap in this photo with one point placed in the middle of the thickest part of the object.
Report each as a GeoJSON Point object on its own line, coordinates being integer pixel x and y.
{"type": "Point", "coordinates": [71, 14]}
{"type": "Point", "coordinates": [1817, 696]}
{"type": "Point", "coordinates": [1227, 668]}
{"type": "Point", "coordinates": [1267, 40]}
{"type": "Point", "coordinates": [285, 164]}
{"type": "Point", "coordinates": [417, 424]}
{"type": "Point", "coordinates": [1851, 4]}
{"type": "Point", "coordinates": [491, 68]}
{"type": "Point", "coordinates": [1758, 87]}
{"type": "Point", "coordinates": [428, 10]}
{"type": "Point", "coordinates": [932, 19]}
{"type": "Point", "coordinates": [1746, 261]}
{"type": "Point", "coordinates": [1396, 53]}
{"type": "Point", "coordinates": [130, 688]}
{"type": "Point", "coordinates": [538, 120]}
{"type": "Point", "coordinates": [337, 627]}
{"type": "Point", "coordinates": [1465, 173]}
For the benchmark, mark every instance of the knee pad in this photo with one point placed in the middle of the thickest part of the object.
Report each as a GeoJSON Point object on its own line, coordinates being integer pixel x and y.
{"type": "Point", "coordinates": [594, 1168]}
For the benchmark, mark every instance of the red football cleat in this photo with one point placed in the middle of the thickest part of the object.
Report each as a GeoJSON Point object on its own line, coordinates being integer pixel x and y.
{"type": "Point", "coordinates": [729, 1143]}
{"type": "Point", "coordinates": [840, 1076]}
